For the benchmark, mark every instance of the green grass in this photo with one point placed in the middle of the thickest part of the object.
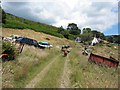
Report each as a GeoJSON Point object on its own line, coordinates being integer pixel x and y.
{"type": "Point", "coordinates": [22, 70]}
{"type": "Point", "coordinates": [86, 75]}
{"type": "Point", "coordinates": [22, 81]}
{"type": "Point", "coordinates": [20, 25]}
{"type": "Point", "coordinates": [53, 76]}
{"type": "Point", "coordinates": [18, 73]}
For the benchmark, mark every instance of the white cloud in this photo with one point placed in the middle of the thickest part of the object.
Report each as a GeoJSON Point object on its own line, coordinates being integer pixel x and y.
{"type": "Point", "coordinates": [98, 15]}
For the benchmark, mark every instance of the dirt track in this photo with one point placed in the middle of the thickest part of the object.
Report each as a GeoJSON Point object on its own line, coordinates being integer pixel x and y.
{"type": "Point", "coordinates": [40, 75]}
{"type": "Point", "coordinates": [65, 78]}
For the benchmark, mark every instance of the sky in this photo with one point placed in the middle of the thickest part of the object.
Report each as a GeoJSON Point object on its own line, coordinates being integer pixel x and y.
{"type": "Point", "coordinates": [101, 15]}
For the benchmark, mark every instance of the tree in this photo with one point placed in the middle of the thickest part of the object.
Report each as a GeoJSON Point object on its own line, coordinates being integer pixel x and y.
{"type": "Point", "coordinates": [86, 30]}
{"type": "Point", "coordinates": [86, 37]}
{"type": "Point", "coordinates": [98, 34]}
{"type": "Point", "coordinates": [110, 39]}
{"type": "Point", "coordinates": [60, 29]}
{"type": "Point", "coordinates": [3, 16]}
{"type": "Point", "coordinates": [95, 32]}
{"type": "Point", "coordinates": [73, 29]}
{"type": "Point", "coordinates": [116, 39]}
{"type": "Point", "coordinates": [65, 33]}
{"type": "Point", "coordinates": [102, 36]}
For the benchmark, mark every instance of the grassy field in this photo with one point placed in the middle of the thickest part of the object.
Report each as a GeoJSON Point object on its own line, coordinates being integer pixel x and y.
{"type": "Point", "coordinates": [37, 36]}
{"type": "Point", "coordinates": [86, 75]}
{"type": "Point", "coordinates": [25, 67]}
{"type": "Point", "coordinates": [47, 66]}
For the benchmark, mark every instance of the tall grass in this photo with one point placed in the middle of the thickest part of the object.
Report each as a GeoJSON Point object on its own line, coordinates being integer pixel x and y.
{"type": "Point", "coordinates": [26, 66]}
{"type": "Point", "coordinates": [35, 69]}
{"type": "Point", "coordinates": [86, 75]}
{"type": "Point", "coordinates": [53, 76]}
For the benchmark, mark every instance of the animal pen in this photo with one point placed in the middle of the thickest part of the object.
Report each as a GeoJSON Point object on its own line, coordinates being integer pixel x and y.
{"type": "Point", "coordinates": [103, 60]}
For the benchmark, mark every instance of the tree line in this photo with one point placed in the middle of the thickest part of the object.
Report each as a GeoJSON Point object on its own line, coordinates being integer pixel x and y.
{"type": "Point", "coordinates": [87, 35]}
{"type": "Point", "coordinates": [113, 39]}
{"type": "Point", "coordinates": [71, 32]}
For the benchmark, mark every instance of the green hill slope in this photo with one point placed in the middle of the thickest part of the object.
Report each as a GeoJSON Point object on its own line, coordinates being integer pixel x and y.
{"type": "Point", "coordinates": [21, 23]}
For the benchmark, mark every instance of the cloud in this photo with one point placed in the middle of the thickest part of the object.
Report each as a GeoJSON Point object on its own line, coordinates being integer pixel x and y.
{"type": "Point", "coordinates": [100, 15]}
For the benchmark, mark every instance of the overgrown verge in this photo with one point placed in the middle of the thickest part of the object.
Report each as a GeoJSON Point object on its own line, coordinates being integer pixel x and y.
{"type": "Point", "coordinates": [53, 76]}
{"type": "Point", "coordinates": [21, 71]}
{"type": "Point", "coordinates": [86, 75]}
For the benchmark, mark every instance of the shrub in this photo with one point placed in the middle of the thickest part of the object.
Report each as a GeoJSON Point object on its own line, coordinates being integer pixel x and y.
{"type": "Point", "coordinates": [86, 43]}
{"type": "Point", "coordinates": [72, 37]}
{"type": "Point", "coordinates": [99, 44]}
{"type": "Point", "coordinates": [109, 45]}
{"type": "Point", "coordinates": [9, 49]}
{"type": "Point", "coordinates": [3, 16]}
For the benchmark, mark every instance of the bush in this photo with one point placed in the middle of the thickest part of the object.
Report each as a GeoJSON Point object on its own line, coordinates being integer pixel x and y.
{"type": "Point", "coordinates": [72, 37]}
{"type": "Point", "coordinates": [99, 44]}
{"type": "Point", "coordinates": [9, 49]}
{"type": "Point", "coordinates": [109, 45]}
{"type": "Point", "coordinates": [3, 16]}
{"type": "Point", "coordinates": [86, 37]}
{"type": "Point", "coordinates": [86, 43]}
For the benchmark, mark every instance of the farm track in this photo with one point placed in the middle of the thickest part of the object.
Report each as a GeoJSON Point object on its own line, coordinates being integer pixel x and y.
{"type": "Point", "coordinates": [40, 75]}
{"type": "Point", "coordinates": [82, 74]}
{"type": "Point", "coordinates": [65, 78]}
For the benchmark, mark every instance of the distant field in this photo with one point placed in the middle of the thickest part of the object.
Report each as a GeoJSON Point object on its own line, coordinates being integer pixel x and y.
{"type": "Point", "coordinates": [45, 68]}
{"type": "Point", "coordinates": [6, 32]}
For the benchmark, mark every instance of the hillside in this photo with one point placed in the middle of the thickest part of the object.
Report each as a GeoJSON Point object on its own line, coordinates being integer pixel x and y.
{"type": "Point", "coordinates": [6, 32]}
{"type": "Point", "coordinates": [16, 22]}
{"type": "Point", "coordinates": [37, 68]}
